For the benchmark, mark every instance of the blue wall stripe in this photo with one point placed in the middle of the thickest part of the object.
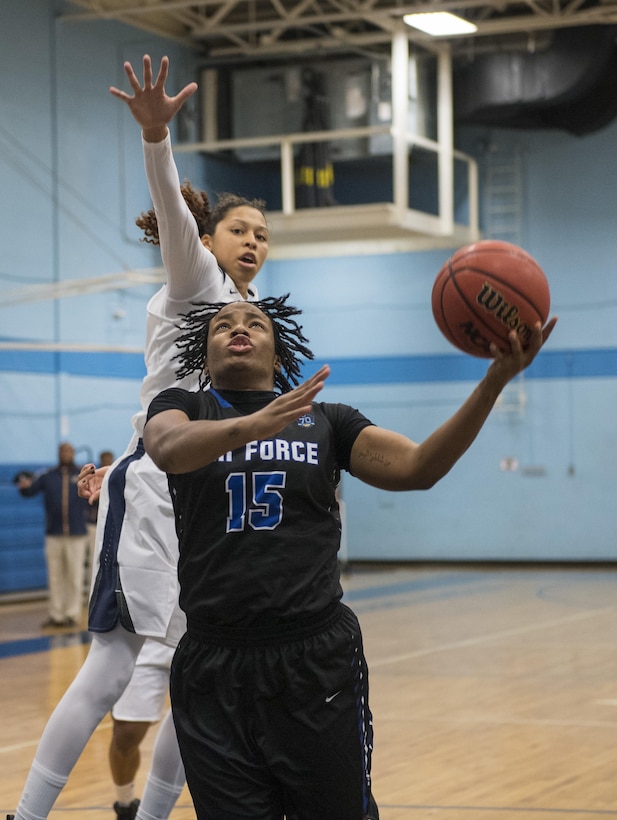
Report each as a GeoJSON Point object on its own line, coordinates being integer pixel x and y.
{"type": "Point", "coordinates": [553, 364]}
{"type": "Point", "coordinates": [98, 364]}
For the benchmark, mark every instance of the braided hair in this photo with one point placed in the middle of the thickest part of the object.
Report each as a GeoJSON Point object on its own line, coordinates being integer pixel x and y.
{"type": "Point", "coordinates": [289, 341]}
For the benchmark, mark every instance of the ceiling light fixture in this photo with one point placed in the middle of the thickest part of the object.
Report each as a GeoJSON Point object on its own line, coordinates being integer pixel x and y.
{"type": "Point", "coordinates": [440, 23]}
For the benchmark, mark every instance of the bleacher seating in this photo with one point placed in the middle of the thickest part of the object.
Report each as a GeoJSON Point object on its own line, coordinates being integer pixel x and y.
{"type": "Point", "coordinates": [22, 535]}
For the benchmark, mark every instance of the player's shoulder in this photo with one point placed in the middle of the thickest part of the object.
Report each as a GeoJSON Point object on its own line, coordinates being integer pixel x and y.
{"type": "Point", "coordinates": [174, 398]}
{"type": "Point", "coordinates": [332, 409]}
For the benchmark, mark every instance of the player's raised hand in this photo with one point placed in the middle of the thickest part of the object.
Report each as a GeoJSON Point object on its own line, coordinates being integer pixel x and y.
{"type": "Point", "coordinates": [289, 406]}
{"type": "Point", "coordinates": [508, 363]}
{"type": "Point", "coordinates": [151, 106]}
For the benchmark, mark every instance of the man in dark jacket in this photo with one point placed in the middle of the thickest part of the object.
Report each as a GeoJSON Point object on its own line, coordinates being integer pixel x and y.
{"type": "Point", "coordinates": [66, 536]}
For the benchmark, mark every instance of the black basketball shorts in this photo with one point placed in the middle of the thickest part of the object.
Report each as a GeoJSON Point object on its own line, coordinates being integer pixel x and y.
{"type": "Point", "coordinates": [276, 725]}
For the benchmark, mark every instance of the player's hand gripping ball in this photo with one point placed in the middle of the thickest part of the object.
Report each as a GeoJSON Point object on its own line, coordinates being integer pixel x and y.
{"type": "Point", "coordinates": [484, 291]}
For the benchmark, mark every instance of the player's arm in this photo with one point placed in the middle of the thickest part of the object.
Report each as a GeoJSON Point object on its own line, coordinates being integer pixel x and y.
{"type": "Point", "coordinates": [391, 461]}
{"type": "Point", "coordinates": [178, 444]}
{"type": "Point", "coordinates": [191, 269]}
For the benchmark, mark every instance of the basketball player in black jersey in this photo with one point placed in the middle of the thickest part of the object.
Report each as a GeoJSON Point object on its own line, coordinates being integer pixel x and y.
{"type": "Point", "coordinates": [269, 685]}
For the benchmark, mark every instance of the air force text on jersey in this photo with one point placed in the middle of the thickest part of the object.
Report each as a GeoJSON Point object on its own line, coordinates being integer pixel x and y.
{"type": "Point", "coordinates": [278, 449]}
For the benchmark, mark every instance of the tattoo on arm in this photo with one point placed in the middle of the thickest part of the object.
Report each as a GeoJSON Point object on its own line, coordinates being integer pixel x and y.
{"type": "Point", "coordinates": [371, 456]}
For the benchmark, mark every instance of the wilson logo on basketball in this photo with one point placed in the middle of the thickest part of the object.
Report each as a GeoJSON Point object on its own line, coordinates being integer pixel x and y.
{"type": "Point", "coordinates": [494, 302]}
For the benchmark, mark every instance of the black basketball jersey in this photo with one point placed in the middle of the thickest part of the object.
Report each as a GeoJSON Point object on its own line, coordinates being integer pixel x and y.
{"type": "Point", "coordinates": [259, 529]}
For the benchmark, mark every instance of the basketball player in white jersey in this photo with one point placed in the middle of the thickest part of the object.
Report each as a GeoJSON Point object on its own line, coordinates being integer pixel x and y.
{"type": "Point", "coordinates": [134, 594]}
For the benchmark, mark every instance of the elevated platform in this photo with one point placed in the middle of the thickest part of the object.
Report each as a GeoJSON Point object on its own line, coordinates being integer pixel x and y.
{"type": "Point", "coordinates": [341, 230]}
{"type": "Point", "coordinates": [417, 172]}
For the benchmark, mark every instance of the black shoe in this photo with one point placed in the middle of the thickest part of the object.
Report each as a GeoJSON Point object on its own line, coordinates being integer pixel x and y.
{"type": "Point", "coordinates": [51, 622]}
{"type": "Point", "coordinates": [10, 817]}
{"type": "Point", "coordinates": [373, 811]}
{"type": "Point", "coordinates": [126, 812]}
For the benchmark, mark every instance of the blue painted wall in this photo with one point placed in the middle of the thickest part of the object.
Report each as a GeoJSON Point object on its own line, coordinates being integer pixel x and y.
{"type": "Point", "coordinates": [72, 180]}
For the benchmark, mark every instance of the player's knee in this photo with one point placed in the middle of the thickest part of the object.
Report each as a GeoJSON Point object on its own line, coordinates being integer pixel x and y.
{"type": "Point", "coordinates": [128, 734]}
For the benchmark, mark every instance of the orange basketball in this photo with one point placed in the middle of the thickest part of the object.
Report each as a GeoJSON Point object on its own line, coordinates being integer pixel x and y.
{"type": "Point", "coordinates": [484, 291]}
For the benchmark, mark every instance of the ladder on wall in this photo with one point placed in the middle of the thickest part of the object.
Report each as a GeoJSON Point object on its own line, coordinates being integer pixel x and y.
{"type": "Point", "coordinates": [504, 195]}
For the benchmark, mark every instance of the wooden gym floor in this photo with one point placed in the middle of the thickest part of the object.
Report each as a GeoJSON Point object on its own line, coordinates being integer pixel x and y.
{"type": "Point", "coordinates": [494, 693]}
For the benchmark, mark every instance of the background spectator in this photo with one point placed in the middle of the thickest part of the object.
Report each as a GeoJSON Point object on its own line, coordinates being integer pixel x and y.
{"type": "Point", "coordinates": [65, 535]}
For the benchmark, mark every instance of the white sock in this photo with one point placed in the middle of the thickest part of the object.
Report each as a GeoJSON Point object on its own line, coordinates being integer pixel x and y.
{"type": "Point", "coordinates": [166, 777]}
{"type": "Point", "coordinates": [40, 792]}
{"type": "Point", "coordinates": [125, 794]}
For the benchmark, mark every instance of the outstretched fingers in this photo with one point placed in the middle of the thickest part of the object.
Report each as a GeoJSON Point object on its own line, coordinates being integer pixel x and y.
{"type": "Point", "coordinates": [133, 82]}
{"type": "Point", "coordinates": [161, 78]}
{"type": "Point", "coordinates": [149, 103]}
{"type": "Point", "coordinates": [310, 388]}
{"type": "Point", "coordinates": [299, 399]}
{"type": "Point", "coordinates": [132, 77]}
{"type": "Point", "coordinates": [182, 96]}
{"type": "Point", "coordinates": [291, 406]}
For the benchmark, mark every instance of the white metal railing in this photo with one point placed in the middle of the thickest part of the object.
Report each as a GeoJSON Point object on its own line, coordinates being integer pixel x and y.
{"type": "Point", "coordinates": [400, 165]}
{"type": "Point", "coordinates": [402, 142]}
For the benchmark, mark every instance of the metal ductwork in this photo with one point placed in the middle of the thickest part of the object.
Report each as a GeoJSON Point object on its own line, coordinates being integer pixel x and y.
{"type": "Point", "coordinates": [570, 85]}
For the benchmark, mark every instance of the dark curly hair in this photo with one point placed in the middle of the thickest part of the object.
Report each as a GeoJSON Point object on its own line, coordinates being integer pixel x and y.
{"type": "Point", "coordinates": [289, 341]}
{"type": "Point", "coordinates": [206, 217]}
